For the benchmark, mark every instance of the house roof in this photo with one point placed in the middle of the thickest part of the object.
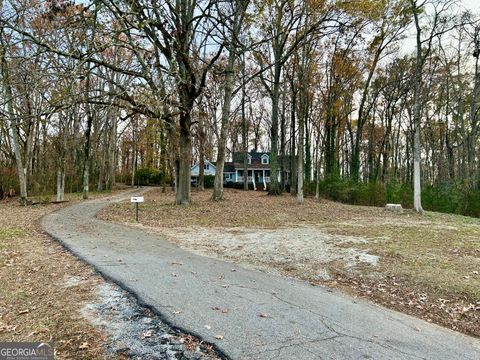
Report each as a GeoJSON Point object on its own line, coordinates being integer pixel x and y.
{"type": "Point", "coordinates": [257, 160]}
{"type": "Point", "coordinates": [229, 167]}
{"type": "Point", "coordinates": [256, 156]}
{"type": "Point", "coordinates": [213, 164]}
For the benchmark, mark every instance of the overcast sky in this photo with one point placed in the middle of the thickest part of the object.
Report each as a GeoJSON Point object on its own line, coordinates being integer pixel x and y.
{"type": "Point", "coordinates": [473, 5]}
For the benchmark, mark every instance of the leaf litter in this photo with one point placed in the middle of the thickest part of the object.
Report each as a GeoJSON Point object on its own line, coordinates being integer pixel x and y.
{"type": "Point", "coordinates": [407, 261]}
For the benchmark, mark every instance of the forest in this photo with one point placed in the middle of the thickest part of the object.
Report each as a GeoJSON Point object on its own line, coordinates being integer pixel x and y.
{"type": "Point", "coordinates": [364, 101]}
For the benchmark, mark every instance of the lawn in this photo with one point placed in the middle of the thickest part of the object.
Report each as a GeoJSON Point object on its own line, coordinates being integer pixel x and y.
{"type": "Point", "coordinates": [425, 265]}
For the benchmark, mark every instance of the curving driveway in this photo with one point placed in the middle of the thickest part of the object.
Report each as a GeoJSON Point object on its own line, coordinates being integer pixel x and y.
{"type": "Point", "coordinates": [247, 314]}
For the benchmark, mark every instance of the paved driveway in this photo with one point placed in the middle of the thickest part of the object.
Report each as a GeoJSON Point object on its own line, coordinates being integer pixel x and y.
{"type": "Point", "coordinates": [247, 314]}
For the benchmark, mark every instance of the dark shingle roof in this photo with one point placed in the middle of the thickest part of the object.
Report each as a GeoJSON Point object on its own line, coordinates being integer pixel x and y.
{"type": "Point", "coordinates": [229, 167]}
{"type": "Point", "coordinates": [257, 160]}
{"type": "Point", "coordinates": [256, 156]}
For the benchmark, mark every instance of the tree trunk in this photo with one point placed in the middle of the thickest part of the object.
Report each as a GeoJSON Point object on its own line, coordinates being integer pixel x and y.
{"type": "Point", "coordinates": [112, 148]}
{"type": "Point", "coordinates": [245, 142]}
{"type": "Point", "coordinates": [293, 159]}
{"type": "Point", "coordinates": [417, 187]}
{"type": "Point", "coordinates": [201, 162]}
{"type": "Point", "coordinates": [183, 163]}
{"type": "Point", "coordinates": [239, 7]}
{"type": "Point", "coordinates": [355, 165]}
{"type": "Point", "coordinates": [103, 161]}
{"type": "Point", "coordinates": [317, 175]}
{"type": "Point", "coordinates": [472, 164]}
{"type": "Point", "coordinates": [274, 184]}
{"type": "Point", "coordinates": [302, 124]}
{"type": "Point", "coordinates": [86, 154]}
{"type": "Point", "coordinates": [62, 160]}
{"type": "Point", "coordinates": [306, 136]}
{"type": "Point", "coordinates": [282, 142]}
{"type": "Point", "coordinates": [13, 123]}
{"type": "Point", "coordinates": [227, 100]}
{"type": "Point", "coordinates": [300, 163]}
{"type": "Point", "coordinates": [60, 184]}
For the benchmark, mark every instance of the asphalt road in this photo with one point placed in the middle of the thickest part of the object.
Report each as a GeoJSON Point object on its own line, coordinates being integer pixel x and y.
{"type": "Point", "coordinates": [247, 314]}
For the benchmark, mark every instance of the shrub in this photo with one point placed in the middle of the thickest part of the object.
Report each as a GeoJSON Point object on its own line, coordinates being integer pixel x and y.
{"type": "Point", "coordinates": [148, 176]}
{"type": "Point", "coordinates": [208, 181]}
{"type": "Point", "coordinates": [448, 197]}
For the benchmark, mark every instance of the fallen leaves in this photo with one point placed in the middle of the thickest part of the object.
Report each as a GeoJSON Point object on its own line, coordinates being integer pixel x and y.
{"type": "Point", "coordinates": [219, 337]}
{"type": "Point", "coordinates": [428, 256]}
{"type": "Point", "coordinates": [7, 328]}
{"type": "Point", "coordinates": [84, 346]}
{"type": "Point", "coordinates": [40, 307]}
{"type": "Point", "coordinates": [456, 312]}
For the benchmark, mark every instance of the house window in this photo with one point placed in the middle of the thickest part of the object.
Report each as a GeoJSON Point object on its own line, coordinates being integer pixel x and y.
{"type": "Point", "coordinates": [265, 159]}
{"type": "Point", "coordinates": [249, 160]}
{"type": "Point", "coordinates": [206, 167]}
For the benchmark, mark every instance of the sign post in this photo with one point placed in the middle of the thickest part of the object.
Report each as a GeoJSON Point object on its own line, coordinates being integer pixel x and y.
{"type": "Point", "coordinates": [136, 200]}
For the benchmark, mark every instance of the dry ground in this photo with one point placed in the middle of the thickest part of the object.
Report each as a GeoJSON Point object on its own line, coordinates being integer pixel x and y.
{"type": "Point", "coordinates": [46, 294]}
{"type": "Point", "coordinates": [426, 265]}
{"type": "Point", "coordinates": [38, 301]}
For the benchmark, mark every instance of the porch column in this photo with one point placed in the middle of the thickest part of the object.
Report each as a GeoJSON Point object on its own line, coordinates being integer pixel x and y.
{"type": "Point", "coordinates": [264, 181]}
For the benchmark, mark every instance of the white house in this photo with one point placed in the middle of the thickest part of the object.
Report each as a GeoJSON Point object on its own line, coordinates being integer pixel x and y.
{"type": "Point", "coordinates": [208, 169]}
{"type": "Point", "coordinates": [258, 169]}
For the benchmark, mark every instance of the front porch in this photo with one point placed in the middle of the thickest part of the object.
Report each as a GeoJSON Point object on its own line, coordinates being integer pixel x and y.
{"type": "Point", "coordinates": [254, 176]}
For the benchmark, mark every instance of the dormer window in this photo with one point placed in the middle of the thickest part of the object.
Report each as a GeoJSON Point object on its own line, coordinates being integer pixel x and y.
{"type": "Point", "coordinates": [206, 167]}
{"type": "Point", "coordinates": [265, 159]}
{"type": "Point", "coordinates": [249, 159]}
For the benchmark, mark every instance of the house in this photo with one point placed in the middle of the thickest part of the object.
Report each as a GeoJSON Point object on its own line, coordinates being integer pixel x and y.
{"type": "Point", "coordinates": [209, 168]}
{"type": "Point", "coordinates": [258, 169]}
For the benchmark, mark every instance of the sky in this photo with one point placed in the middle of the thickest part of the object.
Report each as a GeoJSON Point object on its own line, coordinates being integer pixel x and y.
{"type": "Point", "coordinates": [408, 44]}
{"type": "Point", "coordinates": [473, 5]}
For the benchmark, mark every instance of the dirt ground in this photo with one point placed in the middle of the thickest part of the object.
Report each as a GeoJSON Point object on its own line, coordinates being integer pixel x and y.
{"type": "Point", "coordinates": [425, 265]}
{"type": "Point", "coordinates": [47, 295]}
{"type": "Point", "coordinates": [38, 302]}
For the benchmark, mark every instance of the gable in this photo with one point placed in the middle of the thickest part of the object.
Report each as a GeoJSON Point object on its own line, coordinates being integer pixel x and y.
{"type": "Point", "coordinates": [265, 159]}
{"type": "Point", "coordinates": [209, 168]}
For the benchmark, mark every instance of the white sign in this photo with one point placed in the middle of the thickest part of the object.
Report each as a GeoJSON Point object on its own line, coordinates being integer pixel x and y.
{"type": "Point", "coordinates": [137, 199]}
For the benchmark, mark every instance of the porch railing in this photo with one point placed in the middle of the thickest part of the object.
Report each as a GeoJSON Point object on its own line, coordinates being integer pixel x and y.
{"type": "Point", "coordinates": [240, 179]}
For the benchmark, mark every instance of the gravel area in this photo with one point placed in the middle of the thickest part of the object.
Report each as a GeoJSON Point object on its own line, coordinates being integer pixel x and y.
{"type": "Point", "coordinates": [303, 250]}
{"type": "Point", "coordinates": [134, 332]}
